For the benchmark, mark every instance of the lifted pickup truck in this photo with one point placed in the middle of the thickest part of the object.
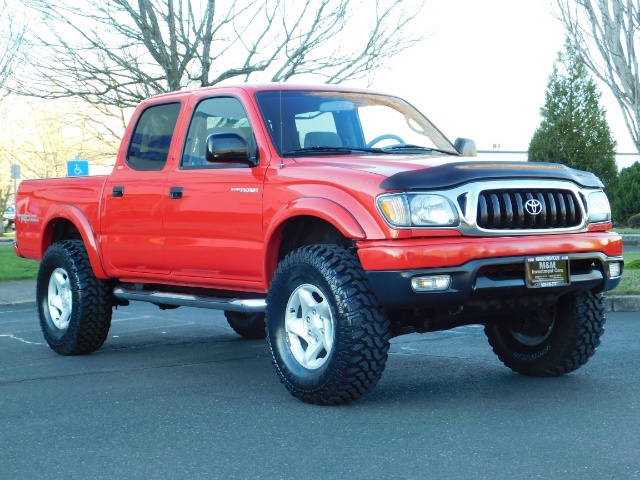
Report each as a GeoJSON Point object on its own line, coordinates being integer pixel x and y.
{"type": "Point", "coordinates": [328, 220]}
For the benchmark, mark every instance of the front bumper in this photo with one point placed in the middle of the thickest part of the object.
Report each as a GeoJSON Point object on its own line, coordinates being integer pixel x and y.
{"type": "Point", "coordinates": [486, 271]}
{"type": "Point", "coordinates": [485, 281]}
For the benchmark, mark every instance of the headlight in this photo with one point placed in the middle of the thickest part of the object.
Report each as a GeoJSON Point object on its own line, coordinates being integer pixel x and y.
{"type": "Point", "coordinates": [599, 209]}
{"type": "Point", "coordinates": [421, 210]}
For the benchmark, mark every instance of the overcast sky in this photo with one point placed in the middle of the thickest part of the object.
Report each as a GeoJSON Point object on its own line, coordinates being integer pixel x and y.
{"type": "Point", "coordinates": [483, 71]}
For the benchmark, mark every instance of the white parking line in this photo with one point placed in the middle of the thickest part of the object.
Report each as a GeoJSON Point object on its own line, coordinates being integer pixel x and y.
{"type": "Point", "coordinates": [20, 339]}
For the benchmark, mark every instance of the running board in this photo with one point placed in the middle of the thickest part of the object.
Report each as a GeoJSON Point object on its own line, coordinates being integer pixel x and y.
{"type": "Point", "coordinates": [248, 305]}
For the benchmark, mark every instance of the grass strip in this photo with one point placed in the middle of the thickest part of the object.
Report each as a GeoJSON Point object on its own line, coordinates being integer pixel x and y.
{"type": "Point", "coordinates": [16, 268]}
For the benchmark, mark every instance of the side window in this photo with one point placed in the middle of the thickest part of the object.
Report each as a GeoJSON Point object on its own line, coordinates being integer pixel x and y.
{"type": "Point", "coordinates": [151, 140]}
{"type": "Point", "coordinates": [214, 115]}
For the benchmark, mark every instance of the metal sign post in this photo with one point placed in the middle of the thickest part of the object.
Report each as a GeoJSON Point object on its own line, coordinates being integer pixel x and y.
{"type": "Point", "coordinates": [15, 174]}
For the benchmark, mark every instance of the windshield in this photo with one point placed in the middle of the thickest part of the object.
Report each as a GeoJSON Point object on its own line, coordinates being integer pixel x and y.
{"type": "Point", "coordinates": [315, 122]}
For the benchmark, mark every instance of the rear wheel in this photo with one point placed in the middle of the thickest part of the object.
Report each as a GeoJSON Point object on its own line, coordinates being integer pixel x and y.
{"type": "Point", "coordinates": [552, 342]}
{"type": "Point", "coordinates": [328, 336]}
{"type": "Point", "coordinates": [247, 325]}
{"type": "Point", "coordinates": [74, 306]}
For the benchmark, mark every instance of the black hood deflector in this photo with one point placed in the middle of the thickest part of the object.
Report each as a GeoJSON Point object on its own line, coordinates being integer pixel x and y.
{"type": "Point", "coordinates": [455, 174]}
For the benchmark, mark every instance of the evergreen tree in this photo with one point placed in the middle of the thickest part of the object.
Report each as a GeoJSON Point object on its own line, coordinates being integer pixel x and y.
{"type": "Point", "coordinates": [574, 129]}
{"type": "Point", "coordinates": [625, 198]}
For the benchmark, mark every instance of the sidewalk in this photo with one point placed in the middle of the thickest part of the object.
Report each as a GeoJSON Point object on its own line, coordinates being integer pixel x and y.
{"type": "Point", "coordinates": [20, 292]}
{"type": "Point", "coordinates": [23, 292]}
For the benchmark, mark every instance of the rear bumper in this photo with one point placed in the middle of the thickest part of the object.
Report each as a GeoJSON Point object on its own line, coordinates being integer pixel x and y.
{"type": "Point", "coordinates": [485, 271]}
{"type": "Point", "coordinates": [16, 250]}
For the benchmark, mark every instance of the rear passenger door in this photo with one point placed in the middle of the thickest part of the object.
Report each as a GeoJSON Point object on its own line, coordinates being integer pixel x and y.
{"type": "Point", "coordinates": [133, 199]}
{"type": "Point", "coordinates": [213, 218]}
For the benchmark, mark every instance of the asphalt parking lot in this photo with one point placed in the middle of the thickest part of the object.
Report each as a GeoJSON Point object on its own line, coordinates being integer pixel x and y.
{"type": "Point", "coordinates": [176, 394]}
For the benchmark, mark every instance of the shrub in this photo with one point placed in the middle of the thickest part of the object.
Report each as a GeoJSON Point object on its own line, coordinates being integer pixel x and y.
{"type": "Point", "coordinates": [634, 221]}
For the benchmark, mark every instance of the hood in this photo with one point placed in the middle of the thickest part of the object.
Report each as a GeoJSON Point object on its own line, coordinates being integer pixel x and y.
{"type": "Point", "coordinates": [411, 172]}
{"type": "Point", "coordinates": [383, 165]}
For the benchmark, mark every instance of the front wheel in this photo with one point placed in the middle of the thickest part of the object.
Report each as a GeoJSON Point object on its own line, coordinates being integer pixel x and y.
{"type": "Point", "coordinates": [551, 342]}
{"type": "Point", "coordinates": [328, 336]}
{"type": "Point", "coordinates": [74, 306]}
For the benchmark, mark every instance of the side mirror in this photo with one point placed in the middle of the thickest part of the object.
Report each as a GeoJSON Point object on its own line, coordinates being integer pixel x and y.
{"type": "Point", "coordinates": [466, 147]}
{"type": "Point", "coordinates": [228, 147]}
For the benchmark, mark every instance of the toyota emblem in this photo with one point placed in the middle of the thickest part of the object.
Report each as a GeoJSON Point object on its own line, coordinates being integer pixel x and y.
{"type": "Point", "coordinates": [533, 207]}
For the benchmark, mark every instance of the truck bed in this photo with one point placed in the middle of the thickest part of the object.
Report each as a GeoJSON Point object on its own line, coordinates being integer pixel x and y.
{"type": "Point", "coordinates": [40, 200]}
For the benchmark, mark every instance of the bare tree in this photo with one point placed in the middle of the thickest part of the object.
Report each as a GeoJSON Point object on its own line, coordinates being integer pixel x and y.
{"type": "Point", "coordinates": [12, 31]}
{"type": "Point", "coordinates": [117, 52]}
{"type": "Point", "coordinates": [42, 137]}
{"type": "Point", "coordinates": [11, 34]}
{"type": "Point", "coordinates": [607, 37]}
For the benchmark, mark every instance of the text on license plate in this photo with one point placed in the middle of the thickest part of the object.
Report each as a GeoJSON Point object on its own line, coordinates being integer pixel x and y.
{"type": "Point", "coordinates": [547, 271]}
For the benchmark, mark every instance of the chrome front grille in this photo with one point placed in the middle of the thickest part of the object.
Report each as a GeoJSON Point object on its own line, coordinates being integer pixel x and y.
{"type": "Point", "coordinates": [528, 209]}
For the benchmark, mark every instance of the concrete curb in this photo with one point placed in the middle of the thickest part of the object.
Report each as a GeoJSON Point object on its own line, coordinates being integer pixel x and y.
{"type": "Point", "coordinates": [630, 240]}
{"type": "Point", "coordinates": [622, 303]}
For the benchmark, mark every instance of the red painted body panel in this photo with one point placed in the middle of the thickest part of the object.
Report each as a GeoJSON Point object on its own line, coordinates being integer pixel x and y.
{"type": "Point", "coordinates": [448, 252]}
{"type": "Point", "coordinates": [43, 203]}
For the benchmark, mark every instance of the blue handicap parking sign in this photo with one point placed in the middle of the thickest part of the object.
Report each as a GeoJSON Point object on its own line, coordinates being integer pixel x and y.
{"type": "Point", "coordinates": [77, 168]}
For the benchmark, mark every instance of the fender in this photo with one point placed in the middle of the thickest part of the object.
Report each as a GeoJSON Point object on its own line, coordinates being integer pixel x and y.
{"type": "Point", "coordinates": [79, 219]}
{"type": "Point", "coordinates": [324, 208]}
{"type": "Point", "coordinates": [341, 218]}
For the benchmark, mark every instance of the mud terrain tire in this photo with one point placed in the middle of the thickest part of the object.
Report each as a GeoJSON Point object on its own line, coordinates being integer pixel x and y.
{"type": "Point", "coordinates": [73, 305]}
{"type": "Point", "coordinates": [329, 337]}
{"type": "Point", "coordinates": [560, 345]}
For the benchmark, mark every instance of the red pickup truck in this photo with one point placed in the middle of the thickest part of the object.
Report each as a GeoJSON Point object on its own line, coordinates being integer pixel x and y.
{"type": "Point", "coordinates": [328, 220]}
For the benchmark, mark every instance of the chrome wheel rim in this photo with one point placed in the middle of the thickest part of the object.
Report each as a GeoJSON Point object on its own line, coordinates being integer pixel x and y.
{"type": "Point", "coordinates": [59, 299]}
{"type": "Point", "coordinates": [309, 326]}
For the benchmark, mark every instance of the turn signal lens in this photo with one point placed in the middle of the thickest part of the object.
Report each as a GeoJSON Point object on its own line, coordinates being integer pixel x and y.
{"type": "Point", "coordinates": [395, 210]}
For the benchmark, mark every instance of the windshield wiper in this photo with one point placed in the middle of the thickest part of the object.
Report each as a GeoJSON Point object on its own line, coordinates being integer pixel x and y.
{"type": "Point", "coordinates": [318, 149]}
{"type": "Point", "coordinates": [407, 147]}
{"type": "Point", "coordinates": [323, 149]}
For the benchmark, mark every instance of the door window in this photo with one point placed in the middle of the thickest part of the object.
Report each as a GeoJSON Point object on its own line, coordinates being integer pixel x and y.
{"type": "Point", "coordinates": [149, 148]}
{"type": "Point", "coordinates": [214, 115]}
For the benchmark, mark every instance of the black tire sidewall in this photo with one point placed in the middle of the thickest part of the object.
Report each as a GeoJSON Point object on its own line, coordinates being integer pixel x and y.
{"type": "Point", "coordinates": [91, 300]}
{"type": "Point", "coordinates": [562, 351]}
{"type": "Point", "coordinates": [247, 325]}
{"type": "Point", "coordinates": [57, 257]}
{"type": "Point", "coordinates": [298, 376]}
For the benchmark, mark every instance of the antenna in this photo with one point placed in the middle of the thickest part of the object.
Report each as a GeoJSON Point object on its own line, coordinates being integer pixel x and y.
{"type": "Point", "coordinates": [281, 128]}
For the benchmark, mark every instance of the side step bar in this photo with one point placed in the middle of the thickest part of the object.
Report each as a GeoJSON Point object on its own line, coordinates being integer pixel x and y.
{"type": "Point", "coordinates": [248, 305]}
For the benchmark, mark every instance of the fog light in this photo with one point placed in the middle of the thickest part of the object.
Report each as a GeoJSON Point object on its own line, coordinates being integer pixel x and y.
{"type": "Point", "coordinates": [430, 284]}
{"type": "Point", "coordinates": [614, 269]}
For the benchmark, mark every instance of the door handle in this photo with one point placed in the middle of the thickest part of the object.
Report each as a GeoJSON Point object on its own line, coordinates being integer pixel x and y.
{"type": "Point", "coordinates": [118, 191]}
{"type": "Point", "coordinates": [175, 192]}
